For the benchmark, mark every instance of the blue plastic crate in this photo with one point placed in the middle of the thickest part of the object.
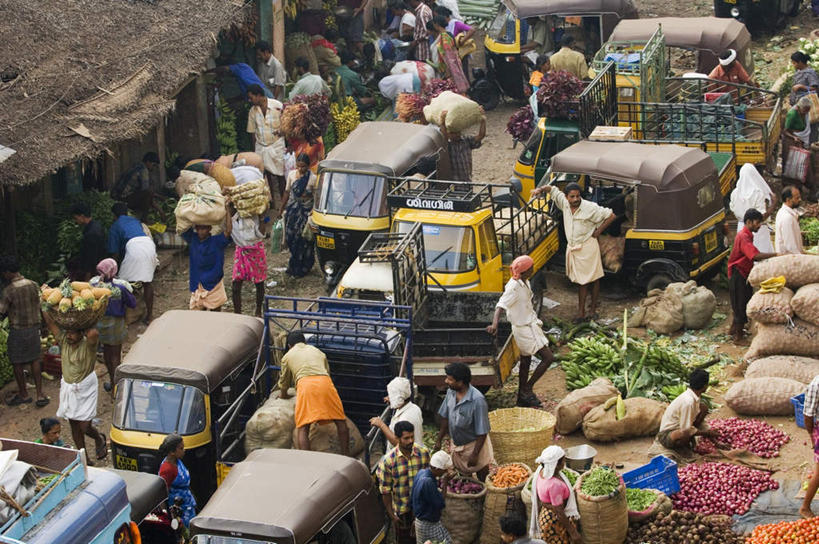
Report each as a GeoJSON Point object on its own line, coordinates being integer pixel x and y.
{"type": "Point", "coordinates": [798, 404]}
{"type": "Point", "coordinates": [660, 473]}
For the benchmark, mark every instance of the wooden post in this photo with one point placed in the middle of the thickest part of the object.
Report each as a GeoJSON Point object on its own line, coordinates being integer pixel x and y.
{"type": "Point", "coordinates": [278, 30]}
{"type": "Point", "coordinates": [160, 150]}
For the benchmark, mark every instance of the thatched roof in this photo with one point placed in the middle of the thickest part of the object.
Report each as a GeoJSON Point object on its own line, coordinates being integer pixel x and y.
{"type": "Point", "coordinates": [93, 72]}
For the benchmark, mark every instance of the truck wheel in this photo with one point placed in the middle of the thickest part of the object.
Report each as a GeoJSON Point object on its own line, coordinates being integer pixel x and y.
{"type": "Point", "coordinates": [658, 281]}
{"type": "Point", "coordinates": [485, 93]}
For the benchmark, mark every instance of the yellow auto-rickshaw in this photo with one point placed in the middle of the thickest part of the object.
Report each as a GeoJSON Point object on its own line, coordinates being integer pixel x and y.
{"type": "Point", "coordinates": [354, 179]}
{"type": "Point", "coordinates": [191, 373]}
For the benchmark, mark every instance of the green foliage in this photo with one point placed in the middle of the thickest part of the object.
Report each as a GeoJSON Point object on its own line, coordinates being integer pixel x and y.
{"type": "Point", "coordinates": [810, 230]}
{"type": "Point", "coordinates": [6, 371]}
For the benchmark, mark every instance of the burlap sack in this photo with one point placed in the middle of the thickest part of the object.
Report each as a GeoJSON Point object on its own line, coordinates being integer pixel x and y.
{"type": "Point", "coordinates": [324, 438]}
{"type": "Point", "coordinates": [199, 209]}
{"type": "Point", "coordinates": [461, 112]}
{"type": "Point", "coordinates": [222, 174]}
{"type": "Point", "coordinates": [245, 158]}
{"type": "Point", "coordinates": [189, 178]}
{"type": "Point", "coordinates": [698, 303]}
{"type": "Point", "coordinates": [463, 515]}
{"type": "Point", "coordinates": [800, 339]}
{"type": "Point", "coordinates": [575, 405]}
{"type": "Point", "coordinates": [603, 520]}
{"type": "Point", "coordinates": [661, 504]}
{"type": "Point", "coordinates": [643, 418]}
{"type": "Point", "coordinates": [763, 396]}
{"type": "Point", "coordinates": [660, 311]}
{"type": "Point", "coordinates": [805, 303]}
{"type": "Point", "coordinates": [498, 500]}
{"type": "Point", "coordinates": [798, 270]}
{"type": "Point", "coordinates": [612, 249]}
{"type": "Point", "coordinates": [801, 369]}
{"type": "Point", "coordinates": [271, 426]}
{"type": "Point", "coordinates": [771, 307]}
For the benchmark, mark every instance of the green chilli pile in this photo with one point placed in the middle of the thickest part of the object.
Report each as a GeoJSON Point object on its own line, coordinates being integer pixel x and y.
{"type": "Point", "coordinates": [639, 499]}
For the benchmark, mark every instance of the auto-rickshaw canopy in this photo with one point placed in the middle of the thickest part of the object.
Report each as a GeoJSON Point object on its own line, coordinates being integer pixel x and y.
{"type": "Point", "coordinates": [192, 348]}
{"type": "Point", "coordinates": [523, 9]}
{"type": "Point", "coordinates": [384, 147]}
{"type": "Point", "coordinates": [145, 492]}
{"type": "Point", "coordinates": [677, 187]}
{"type": "Point", "coordinates": [708, 35]}
{"type": "Point", "coordinates": [283, 495]}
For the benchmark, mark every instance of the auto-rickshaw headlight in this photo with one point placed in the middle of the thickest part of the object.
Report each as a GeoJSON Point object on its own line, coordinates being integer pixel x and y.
{"type": "Point", "coordinates": [329, 268]}
{"type": "Point", "coordinates": [735, 12]}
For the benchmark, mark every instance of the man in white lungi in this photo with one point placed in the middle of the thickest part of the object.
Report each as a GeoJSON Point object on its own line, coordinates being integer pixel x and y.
{"type": "Point", "coordinates": [78, 385]}
{"type": "Point", "coordinates": [583, 222]}
{"type": "Point", "coordinates": [516, 301]}
{"type": "Point", "coordinates": [264, 126]}
{"type": "Point", "coordinates": [135, 249]}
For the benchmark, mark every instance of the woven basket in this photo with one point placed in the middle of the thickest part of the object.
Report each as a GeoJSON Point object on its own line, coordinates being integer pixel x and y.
{"type": "Point", "coordinates": [510, 443]}
{"type": "Point", "coordinates": [498, 501]}
{"type": "Point", "coordinates": [76, 320]}
{"type": "Point", "coordinates": [463, 515]}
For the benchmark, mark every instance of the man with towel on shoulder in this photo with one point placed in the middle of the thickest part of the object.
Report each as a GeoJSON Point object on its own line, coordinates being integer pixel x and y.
{"type": "Point", "coordinates": [128, 241]}
{"type": "Point", "coordinates": [583, 222]}
{"type": "Point", "coordinates": [317, 400]}
{"type": "Point", "coordinates": [516, 301]}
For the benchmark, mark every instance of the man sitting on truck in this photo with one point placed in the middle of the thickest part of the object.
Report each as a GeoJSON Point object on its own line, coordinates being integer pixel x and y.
{"type": "Point", "coordinates": [516, 301]}
{"type": "Point", "coordinates": [317, 400]}
{"type": "Point", "coordinates": [730, 70]}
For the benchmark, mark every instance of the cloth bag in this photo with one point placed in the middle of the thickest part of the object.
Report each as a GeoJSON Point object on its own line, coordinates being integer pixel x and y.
{"type": "Point", "coordinates": [796, 167]}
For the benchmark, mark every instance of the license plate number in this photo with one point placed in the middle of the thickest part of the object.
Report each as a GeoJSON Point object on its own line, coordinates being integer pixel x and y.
{"type": "Point", "coordinates": [710, 241]}
{"type": "Point", "coordinates": [656, 244]}
{"type": "Point", "coordinates": [325, 242]}
{"type": "Point", "coordinates": [730, 1]}
{"type": "Point", "coordinates": [126, 463]}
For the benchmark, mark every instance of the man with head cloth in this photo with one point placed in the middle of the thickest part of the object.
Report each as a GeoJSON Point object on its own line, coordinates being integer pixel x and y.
{"type": "Point", "coordinates": [399, 393]}
{"type": "Point", "coordinates": [428, 500]}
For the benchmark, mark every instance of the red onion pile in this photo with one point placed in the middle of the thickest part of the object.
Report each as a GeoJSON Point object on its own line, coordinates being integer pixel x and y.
{"type": "Point", "coordinates": [720, 488]}
{"type": "Point", "coordinates": [753, 435]}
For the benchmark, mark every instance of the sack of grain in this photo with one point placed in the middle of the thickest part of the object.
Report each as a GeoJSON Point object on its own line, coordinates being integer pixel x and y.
{"type": "Point", "coordinates": [798, 270]}
{"type": "Point", "coordinates": [188, 178]}
{"type": "Point", "coordinates": [661, 504]}
{"type": "Point", "coordinates": [763, 396]}
{"type": "Point", "coordinates": [463, 514]}
{"type": "Point", "coordinates": [660, 311]}
{"type": "Point", "coordinates": [238, 160]}
{"type": "Point", "coordinates": [612, 249]}
{"type": "Point", "coordinates": [800, 339]}
{"type": "Point", "coordinates": [805, 303]}
{"type": "Point", "coordinates": [324, 438]}
{"type": "Point", "coordinates": [575, 405]}
{"type": "Point", "coordinates": [462, 112]}
{"type": "Point", "coordinates": [603, 520]}
{"type": "Point", "coordinates": [698, 303]}
{"type": "Point", "coordinates": [771, 307]}
{"type": "Point", "coordinates": [271, 426]}
{"type": "Point", "coordinates": [222, 174]}
{"type": "Point", "coordinates": [642, 418]}
{"type": "Point", "coordinates": [801, 369]}
{"type": "Point", "coordinates": [199, 209]}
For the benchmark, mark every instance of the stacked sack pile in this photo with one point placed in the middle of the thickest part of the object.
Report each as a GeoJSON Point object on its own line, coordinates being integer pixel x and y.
{"type": "Point", "coordinates": [784, 352]}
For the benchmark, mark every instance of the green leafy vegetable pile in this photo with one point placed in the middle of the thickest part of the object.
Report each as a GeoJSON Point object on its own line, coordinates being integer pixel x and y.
{"type": "Point", "coordinates": [810, 230]}
{"type": "Point", "coordinates": [639, 499]}
{"type": "Point", "coordinates": [599, 482]}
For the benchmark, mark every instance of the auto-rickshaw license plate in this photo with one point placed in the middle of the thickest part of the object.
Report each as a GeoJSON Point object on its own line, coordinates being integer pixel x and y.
{"type": "Point", "coordinates": [656, 244]}
{"type": "Point", "coordinates": [710, 241]}
{"type": "Point", "coordinates": [730, 1]}
{"type": "Point", "coordinates": [126, 463]}
{"type": "Point", "coordinates": [325, 242]}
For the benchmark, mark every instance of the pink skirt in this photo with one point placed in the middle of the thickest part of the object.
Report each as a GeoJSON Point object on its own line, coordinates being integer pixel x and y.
{"type": "Point", "coordinates": [250, 263]}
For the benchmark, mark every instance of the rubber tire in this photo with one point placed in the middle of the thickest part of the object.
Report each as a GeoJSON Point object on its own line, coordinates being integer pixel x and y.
{"type": "Point", "coordinates": [658, 281]}
{"type": "Point", "coordinates": [485, 93]}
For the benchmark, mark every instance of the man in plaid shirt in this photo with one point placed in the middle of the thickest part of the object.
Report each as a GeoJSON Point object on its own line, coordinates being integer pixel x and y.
{"type": "Point", "coordinates": [460, 149]}
{"type": "Point", "coordinates": [810, 412]}
{"type": "Point", "coordinates": [396, 473]}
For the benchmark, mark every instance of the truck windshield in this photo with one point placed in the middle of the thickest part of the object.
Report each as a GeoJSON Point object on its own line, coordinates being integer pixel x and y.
{"type": "Point", "coordinates": [502, 29]}
{"type": "Point", "coordinates": [159, 407]}
{"type": "Point", "coordinates": [446, 248]}
{"type": "Point", "coordinates": [356, 195]}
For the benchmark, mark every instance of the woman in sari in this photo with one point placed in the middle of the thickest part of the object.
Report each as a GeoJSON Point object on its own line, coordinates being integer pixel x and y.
{"type": "Point", "coordinates": [449, 62]}
{"type": "Point", "coordinates": [314, 150]}
{"type": "Point", "coordinates": [554, 507]}
{"type": "Point", "coordinates": [298, 203]}
{"type": "Point", "coordinates": [176, 476]}
{"type": "Point", "coordinates": [796, 133]}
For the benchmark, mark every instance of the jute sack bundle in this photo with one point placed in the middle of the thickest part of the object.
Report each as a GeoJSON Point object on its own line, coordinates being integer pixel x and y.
{"type": "Point", "coordinates": [199, 209]}
{"type": "Point", "coordinates": [798, 270]}
{"type": "Point", "coordinates": [495, 505]}
{"type": "Point", "coordinates": [800, 339]}
{"type": "Point", "coordinates": [771, 307]}
{"type": "Point", "coordinates": [698, 303]}
{"type": "Point", "coordinates": [246, 158]}
{"type": "Point", "coordinates": [461, 112]}
{"type": "Point", "coordinates": [463, 515]}
{"type": "Point", "coordinates": [763, 396]}
{"type": "Point", "coordinates": [324, 438]}
{"type": "Point", "coordinates": [271, 426]}
{"type": "Point", "coordinates": [659, 311]}
{"type": "Point", "coordinates": [792, 367]}
{"type": "Point", "coordinates": [188, 179]}
{"type": "Point", "coordinates": [805, 303]}
{"type": "Point", "coordinates": [603, 520]}
{"type": "Point", "coordinates": [575, 405]}
{"type": "Point", "coordinates": [661, 504]}
{"type": "Point", "coordinates": [643, 417]}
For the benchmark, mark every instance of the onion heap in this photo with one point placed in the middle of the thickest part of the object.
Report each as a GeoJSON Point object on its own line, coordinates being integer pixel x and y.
{"type": "Point", "coordinates": [753, 435]}
{"type": "Point", "coordinates": [682, 528]}
{"type": "Point", "coordinates": [720, 488]}
{"type": "Point", "coordinates": [464, 486]}
{"type": "Point", "coordinates": [804, 531]}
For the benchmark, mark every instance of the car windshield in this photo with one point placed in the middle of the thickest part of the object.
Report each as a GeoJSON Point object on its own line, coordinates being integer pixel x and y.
{"type": "Point", "coordinates": [446, 248]}
{"type": "Point", "coordinates": [502, 29]}
{"type": "Point", "coordinates": [356, 195]}
{"type": "Point", "coordinates": [159, 407]}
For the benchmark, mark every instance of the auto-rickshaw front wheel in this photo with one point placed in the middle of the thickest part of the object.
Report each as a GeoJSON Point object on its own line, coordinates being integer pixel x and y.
{"type": "Point", "coordinates": [658, 281]}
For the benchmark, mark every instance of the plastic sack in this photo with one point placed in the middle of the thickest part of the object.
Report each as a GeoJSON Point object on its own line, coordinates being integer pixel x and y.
{"type": "Point", "coordinates": [771, 307]}
{"type": "Point", "coordinates": [796, 167]}
{"type": "Point", "coordinates": [276, 236]}
{"type": "Point", "coordinates": [763, 396]}
{"type": "Point", "coordinates": [798, 270]}
{"type": "Point", "coordinates": [805, 303]}
{"type": "Point", "coordinates": [800, 339]}
{"type": "Point", "coordinates": [792, 367]}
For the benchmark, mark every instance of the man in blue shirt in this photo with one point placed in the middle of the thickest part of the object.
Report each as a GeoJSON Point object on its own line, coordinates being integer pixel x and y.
{"type": "Point", "coordinates": [428, 501]}
{"type": "Point", "coordinates": [129, 243]}
{"type": "Point", "coordinates": [245, 77]}
{"type": "Point", "coordinates": [207, 263]}
{"type": "Point", "coordinates": [465, 417]}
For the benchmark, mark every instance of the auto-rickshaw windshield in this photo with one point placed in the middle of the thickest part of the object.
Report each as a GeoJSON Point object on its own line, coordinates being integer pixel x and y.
{"type": "Point", "coordinates": [159, 407]}
{"type": "Point", "coordinates": [349, 194]}
{"type": "Point", "coordinates": [502, 29]}
{"type": "Point", "coordinates": [446, 248]}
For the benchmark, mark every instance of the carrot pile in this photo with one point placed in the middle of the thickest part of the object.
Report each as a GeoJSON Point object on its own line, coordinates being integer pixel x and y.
{"type": "Point", "coordinates": [511, 475]}
{"type": "Point", "coordinates": [804, 531]}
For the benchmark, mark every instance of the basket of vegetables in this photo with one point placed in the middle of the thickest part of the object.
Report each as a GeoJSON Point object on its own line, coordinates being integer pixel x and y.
{"type": "Point", "coordinates": [464, 508]}
{"type": "Point", "coordinates": [601, 496]}
{"type": "Point", "coordinates": [75, 305]}
{"type": "Point", "coordinates": [503, 489]}
{"type": "Point", "coordinates": [520, 434]}
{"type": "Point", "coordinates": [645, 504]}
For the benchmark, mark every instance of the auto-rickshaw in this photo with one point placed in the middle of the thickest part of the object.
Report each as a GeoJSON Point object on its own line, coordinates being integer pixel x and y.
{"type": "Point", "coordinates": [667, 202]}
{"type": "Point", "coordinates": [589, 21]}
{"type": "Point", "coordinates": [354, 179]}
{"type": "Point", "coordinates": [194, 374]}
{"type": "Point", "coordinates": [766, 15]}
{"type": "Point", "coordinates": [148, 497]}
{"type": "Point", "coordinates": [706, 36]}
{"type": "Point", "coordinates": [293, 497]}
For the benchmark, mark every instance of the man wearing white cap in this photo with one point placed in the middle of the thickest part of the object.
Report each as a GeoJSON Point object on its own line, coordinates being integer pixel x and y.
{"type": "Point", "coordinates": [428, 501]}
{"type": "Point", "coordinates": [399, 391]}
{"type": "Point", "coordinates": [730, 70]}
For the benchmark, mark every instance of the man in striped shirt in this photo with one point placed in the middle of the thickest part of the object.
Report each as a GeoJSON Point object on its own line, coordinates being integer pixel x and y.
{"type": "Point", "coordinates": [420, 43]}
